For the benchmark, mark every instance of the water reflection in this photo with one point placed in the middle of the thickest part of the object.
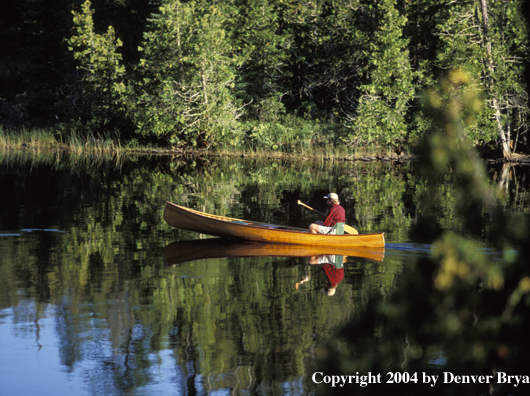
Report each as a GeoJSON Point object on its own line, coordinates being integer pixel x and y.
{"type": "Point", "coordinates": [332, 266]}
{"type": "Point", "coordinates": [96, 298]}
{"type": "Point", "coordinates": [183, 251]}
{"type": "Point", "coordinates": [330, 260]}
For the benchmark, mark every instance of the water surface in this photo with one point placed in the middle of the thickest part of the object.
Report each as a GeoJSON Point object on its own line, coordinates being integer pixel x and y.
{"type": "Point", "coordinates": [88, 305]}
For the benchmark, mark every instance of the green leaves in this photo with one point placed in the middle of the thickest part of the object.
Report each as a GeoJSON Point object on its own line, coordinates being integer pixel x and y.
{"type": "Point", "coordinates": [100, 63]}
{"type": "Point", "coordinates": [184, 93]}
{"type": "Point", "coordinates": [387, 89]}
{"type": "Point", "coordinates": [364, 64]}
{"type": "Point", "coordinates": [487, 50]}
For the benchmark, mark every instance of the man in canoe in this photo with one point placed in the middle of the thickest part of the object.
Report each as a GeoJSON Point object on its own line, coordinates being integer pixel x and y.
{"type": "Point", "coordinates": [334, 215]}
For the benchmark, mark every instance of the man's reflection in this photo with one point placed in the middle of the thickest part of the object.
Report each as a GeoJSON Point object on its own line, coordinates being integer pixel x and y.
{"type": "Point", "coordinates": [332, 266]}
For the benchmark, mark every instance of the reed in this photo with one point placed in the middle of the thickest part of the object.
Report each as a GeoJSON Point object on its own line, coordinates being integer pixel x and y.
{"type": "Point", "coordinates": [35, 139]}
{"type": "Point", "coordinates": [292, 138]}
{"type": "Point", "coordinates": [46, 142]}
{"type": "Point", "coordinates": [93, 144]}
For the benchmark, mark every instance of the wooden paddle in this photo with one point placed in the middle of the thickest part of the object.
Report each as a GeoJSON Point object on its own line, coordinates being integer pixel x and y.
{"type": "Point", "coordinates": [347, 229]}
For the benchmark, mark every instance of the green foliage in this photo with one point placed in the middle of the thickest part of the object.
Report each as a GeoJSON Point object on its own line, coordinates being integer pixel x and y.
{"type": "Point", "coordinates": [191, 73]}
{"type": "Point", "coordinates": [386, 87]}
{"type": "Point", "coordinates": [492, 55]}
{"type": "Point", "coordinates": [101, 69]}
{"type": "Point", "coordinates": [287, 134]}
{"type": "Point", "coordinates": [183, 93]}
{"type": "Point", "coordinates": [255, 29]}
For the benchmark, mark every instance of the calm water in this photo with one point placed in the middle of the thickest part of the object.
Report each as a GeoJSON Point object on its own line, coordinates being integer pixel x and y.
{"type": "Point", "coordinates": [91, 305]}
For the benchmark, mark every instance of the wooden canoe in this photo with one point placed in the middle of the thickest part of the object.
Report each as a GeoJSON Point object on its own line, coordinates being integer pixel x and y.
{"type": "Point", "coordinates": [184, 251]}
{"type": "Point", "coordinates": [193, 220]}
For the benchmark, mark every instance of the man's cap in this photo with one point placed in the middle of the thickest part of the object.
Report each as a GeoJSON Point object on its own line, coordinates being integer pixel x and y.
{"type": "Point", "coordinates": [332, 196]}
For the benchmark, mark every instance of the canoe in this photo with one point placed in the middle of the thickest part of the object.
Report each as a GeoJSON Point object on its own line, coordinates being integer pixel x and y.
{"type": "Point", "coordinates": [204, 223]}
{"type": "Point", "coordinates": [201, 249]}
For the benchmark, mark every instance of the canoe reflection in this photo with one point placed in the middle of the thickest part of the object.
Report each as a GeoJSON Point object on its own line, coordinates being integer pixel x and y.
{"type": "Point", "coordinates": [184, 251]}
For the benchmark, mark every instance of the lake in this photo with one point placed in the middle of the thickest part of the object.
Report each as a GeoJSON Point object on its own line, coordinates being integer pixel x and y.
{"type": "Point", "coordinates": [95, 299]}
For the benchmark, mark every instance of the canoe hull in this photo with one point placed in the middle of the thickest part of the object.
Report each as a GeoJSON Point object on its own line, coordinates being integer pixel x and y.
{"type": "Point", "coordinates": [192, 220]}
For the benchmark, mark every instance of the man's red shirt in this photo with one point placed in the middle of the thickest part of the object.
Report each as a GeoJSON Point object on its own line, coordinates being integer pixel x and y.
{"type": "Point", "coordinates": [335, 214]}
{"type": "Point", "coordinates": [335, 275]}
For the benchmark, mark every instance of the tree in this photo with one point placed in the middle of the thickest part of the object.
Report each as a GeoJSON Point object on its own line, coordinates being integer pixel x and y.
{"type": "Point", "coordinates": [386, 88]}
{"type": "Point", "coordinates": [488, 41]}
{"type": "Point", "coordinates": [186, 76]}
{"type": "Point", "coordinates": [457, 298]}
{"type": "Point", "coordinates": [255, 31]}
{"type": "Point", "coordinates": [506, 45]}
{"type": "Point", "coordinates": [101, 71]}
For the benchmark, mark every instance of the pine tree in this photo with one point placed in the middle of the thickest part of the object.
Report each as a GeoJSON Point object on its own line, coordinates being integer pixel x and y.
{"type": "Point", "coordinates": [255, 30]}
{"type": "Point", "coordinates": [386, 89]}
{"type": "Point", "coordinates": [100, 66]}
{"type": "Point", "coordinates": [186, 76]}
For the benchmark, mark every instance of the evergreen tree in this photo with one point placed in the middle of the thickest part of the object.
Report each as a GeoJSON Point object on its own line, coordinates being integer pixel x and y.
{"type": "Point", "coordinates": [186, 76]}
{"type": "Point", "coordinates": [505, 36]}
{"type": "Point", "coordinates": [100, 67]}
{"type": "Point", "coordinates": [302, 26]}
{"type": "Point", "coordinates": [341, 56]}
{"type": "Point", "coordinates": [386, 89]}
{"type": "Point", "coordinates": [255, 30]}
{"type": "Point", "coordinates": [203, 64]}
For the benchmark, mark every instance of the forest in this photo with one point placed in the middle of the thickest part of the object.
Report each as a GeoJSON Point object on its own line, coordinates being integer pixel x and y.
{"type": "Point", "coordinates": [248, 73]}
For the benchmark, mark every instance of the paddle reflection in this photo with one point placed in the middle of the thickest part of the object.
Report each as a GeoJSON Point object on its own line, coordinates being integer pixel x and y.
{"type": "Point", "coordinates": [184, 251]}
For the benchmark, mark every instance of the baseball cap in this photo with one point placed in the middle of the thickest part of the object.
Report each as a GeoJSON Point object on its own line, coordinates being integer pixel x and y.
{"type": "Point", "coordinates": [332, 196]}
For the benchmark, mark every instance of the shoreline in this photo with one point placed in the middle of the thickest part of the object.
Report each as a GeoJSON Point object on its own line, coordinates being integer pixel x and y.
{"type": "Point", "coordinates": [392, 158]}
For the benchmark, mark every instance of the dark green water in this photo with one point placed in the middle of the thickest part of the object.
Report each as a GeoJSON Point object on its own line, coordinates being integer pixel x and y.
{"type": "Point", "coordinates": [88, 306]}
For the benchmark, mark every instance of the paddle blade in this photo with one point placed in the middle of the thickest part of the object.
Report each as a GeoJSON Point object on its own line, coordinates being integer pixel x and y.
{"type": "Point", "coordinates": [350, 230]}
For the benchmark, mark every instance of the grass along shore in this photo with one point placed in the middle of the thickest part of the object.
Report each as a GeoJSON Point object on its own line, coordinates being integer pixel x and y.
{"type": "Point", "coordinates": [38, 140]}
{"type": "Point", "coordinates": [46, 140]}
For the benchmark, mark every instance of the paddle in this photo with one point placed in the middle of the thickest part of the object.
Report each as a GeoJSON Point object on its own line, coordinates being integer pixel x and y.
{"type": "Point", "coordinates": [348, 229]}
